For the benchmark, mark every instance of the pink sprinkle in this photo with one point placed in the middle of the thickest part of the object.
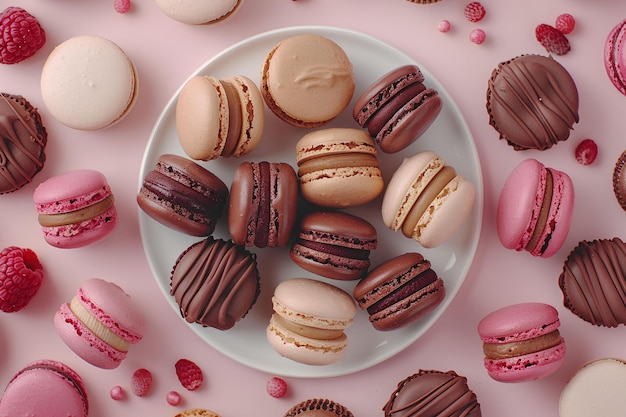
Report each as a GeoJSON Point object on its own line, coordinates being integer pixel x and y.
{"type": "Point", "coordinates": [444, 26]}
{"type": "Point", "coordinates": [173, 398]}
{"type": "Point", "coordinates": [121, 6]}
{"type": "Point", "coordinates": [117, 393]}
{"type": "Point", "coordinates": [477, 36]}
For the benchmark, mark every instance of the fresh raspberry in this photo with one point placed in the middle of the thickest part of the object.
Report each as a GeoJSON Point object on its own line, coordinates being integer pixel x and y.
{"type": "Point", "coordinates": [444, 26]}
{"type": "Point", "coordinates": [276, 387]}
{"type": "Point", "coordinates": [21, 35]}
{"type": "Point", "coordinates": [173, 398]}
{"type": "Point", "coordinates": [474, 11]}
{"type": "Point", "coordinates": [141, 382]}
{"type": "Point", "coordinates": [21, 275]}
{"type": "Point", "coordinates": [586, 152]}
{"type": "Point", "coordinates": [554, 41]}
{"type": "Point", "coordinates": [121, 6]}
{"type": "Point", "coordinates": [477, 36]}
{"type": "Point", "coordinates": [565, 23]}
{"type": "Point", "coordinates": [189, 374]}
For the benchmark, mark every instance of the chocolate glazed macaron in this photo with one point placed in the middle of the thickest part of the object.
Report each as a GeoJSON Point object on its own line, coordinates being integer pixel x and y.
{"type": "Point", "coordinates": [263, 204]}
{"type": "Point", "coordinates": [399, 291]}
{"type": "Point", "coordinates": [397, 108]}
{"type": "Point", "coordinates": [183, 195]}
{"type": "Point", "coordinates": [334, 245]}
{"type": "Point", "coordinates": [318, 407]}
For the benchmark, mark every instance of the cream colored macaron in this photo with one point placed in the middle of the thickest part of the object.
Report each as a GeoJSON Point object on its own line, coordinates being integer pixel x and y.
{"type": "Point", "coordinates": [88, 83]}
{"type": "Point", "coordinates": [195, 12]}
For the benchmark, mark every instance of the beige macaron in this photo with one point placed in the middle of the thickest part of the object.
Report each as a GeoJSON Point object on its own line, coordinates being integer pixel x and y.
{"type": "Point", "coordinates": [194, 12]}
{"type": "Point", "coordinates": [197, 412]}
{"type": "Point", "coordinates": [307, 80]}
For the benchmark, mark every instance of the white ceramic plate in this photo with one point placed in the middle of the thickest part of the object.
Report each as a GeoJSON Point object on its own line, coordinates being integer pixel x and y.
{"type": "Point", "coordinates": [449, 136]}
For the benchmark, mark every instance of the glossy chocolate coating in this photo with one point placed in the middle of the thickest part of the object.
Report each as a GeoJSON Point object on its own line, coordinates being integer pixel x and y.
{"type": "Point", "coordinates": [23, 140]}
{"type": "Point", "coordinates": [619, 180]}
{"type": "Point", "coordinates": [532, 102]}
{"type": "Point", "coordinates": [433, 393]}
{"type": "Point", "coordinates": [593, 282]}
{"type": "Point", "coordinates": [318, 407]}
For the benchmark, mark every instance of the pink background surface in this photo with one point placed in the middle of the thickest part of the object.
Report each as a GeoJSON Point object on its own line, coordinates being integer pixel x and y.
{"type": "Point", "coordinates": [165, 52]}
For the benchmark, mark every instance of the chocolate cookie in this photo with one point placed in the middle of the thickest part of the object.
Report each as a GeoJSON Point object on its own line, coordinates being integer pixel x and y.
{"type": "Point", "coordinates": [532, 102]}
{"type": "Point", "coordinates": [619, 180]}
{"type": "Point", "coordinates": [23, 140]}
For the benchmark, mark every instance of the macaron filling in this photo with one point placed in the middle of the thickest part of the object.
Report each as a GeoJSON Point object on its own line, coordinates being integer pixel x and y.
{"type": "Point", "coordinates": [97, 327]}
{"type": "Point", "coordinates": [76, 216]}
{"type": "Point", "coordinates": [538, 223]}
{"type": "Point", "coordinates": [418, 283]}
{"type": "Point", "coordinates": [522, 347]}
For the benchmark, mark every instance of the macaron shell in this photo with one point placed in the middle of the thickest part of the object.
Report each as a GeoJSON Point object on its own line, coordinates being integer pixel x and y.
{"type": "Point", "coordinates": [528, 367]}
{"type": "Point", "coordinates": [45, 388]}
{"type": "Point", "coordinates": [70, 191]}
{"type": "Point", "coordinates": [193, 12]}
{"type": "Point", "coordinates": [518, 322]}
{"type": "Point", "coordinates": [88, 83]}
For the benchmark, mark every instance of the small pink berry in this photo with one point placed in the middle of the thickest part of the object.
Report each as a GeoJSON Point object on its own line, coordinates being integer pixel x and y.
{"type": "Point", "coordinates": [121, 6]}
{"type": "Point", "coordinates": [474, 11]}
{"type": "Point", "coordinates": [477, 36]}
{"type": "Point", "coordinates": [444, 26]}
{"type": "Point", "coordinates": [117, 393]}
{"type": "Point", "coordinates": [586, 152]}
{"type": "Point", "coordinates": [173, 398]}
{"type": "Point", "coordinates": [565, 23]}
{"type": "Point", "coordinates": [141, 382]}
{"type": "Point", "coordinates": [276, 387]}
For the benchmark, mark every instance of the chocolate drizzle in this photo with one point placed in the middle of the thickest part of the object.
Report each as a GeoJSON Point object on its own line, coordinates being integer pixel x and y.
{"type": "Point", "coordinates": [593, 282]}
{"type": "Point", "coordinates": [22, 142]}
{"type": "Point", "coordinates": [215, 283]}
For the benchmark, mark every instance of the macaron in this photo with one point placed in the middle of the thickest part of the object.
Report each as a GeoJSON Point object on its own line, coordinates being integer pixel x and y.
{"type": "Point", "coordinates": [535, 209]}
{"type": "Point", "coordinates": [100, 323]}
{"type": "Point", "coordinates": [75, 209]}
{"type": "Point", "coordinates": [397, 108]}
{"type": "Point", "coordinates": [263, 204]}
{"type": "Point", "coordinates": [427, 199]}
{"type": "Point", "coordinates": [595, 389]}
{"type": "Point", "coordinates": [25, 138]}
{"type": "Point", "coordinates": [309, 320]}
{"type": "Point", "coordinates": [183, 195]}
{"type": "Point", "coordinates": [615, 56]}
{"type": "Point", "coordinates": [334, 244]}
{"type": "Point", "coordinates": [88, 83]}
{"type": "Point", "coordinates": [192, 12]}
{"type": "Point", "coordinates": [532, 102]}
{"type": "Point", "coordinates": [45, 388]}
{"type": "Point", "coordinates": [307, 80]}
{"type": "Point", "coordinates": [522, 342]}
{"type": "Point", "coordinates": [433, 393]}
{"type": "Point", "coordinates": [219, 117]}
{"type": "Point", "coordinates": [619, 180]}
{"type": "Point", "coordinates": [197, 412]}
{"type": "Point", "coordinates": [215, 283]}
{"type": "Point", "coordinates": [399, 291]}
{"type": "Point", "coordinates": [591, 281]}
{"type": "Point", "coordinates": [338, 168]}
{"type": "Point", "coordinates": [318, 407]}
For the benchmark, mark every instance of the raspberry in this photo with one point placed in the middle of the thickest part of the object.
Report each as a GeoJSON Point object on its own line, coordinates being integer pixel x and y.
{"type": "Point", "coordinates": [141, 382]}
{"type": "Point", "coordinates": [477, 36]}
{"type": "Point", "coordinates": [554, 41]}
{"type": "Point", "coordinates": [21, 275]}
{"type": "Point", "coordinates": [121, 6]}
{"type": "Point", "coordinates": [474, 11]}
{"type": "Point", "coordinates": [189, 374]}
{"type": "Point", "coordinates": [586, 152]}
{"type": "Point", "coordinates": [276, 387]}
{"type": "Point", "coordinates": [21, 35]}
{"type": "Point", "coordinates": [444, 26]}
{"type": "Point", "coordinates": [565, 23]}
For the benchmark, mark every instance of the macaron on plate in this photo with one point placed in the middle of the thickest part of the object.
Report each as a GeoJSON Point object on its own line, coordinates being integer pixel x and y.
{"type": "Point", "coordinates": [448, 135]}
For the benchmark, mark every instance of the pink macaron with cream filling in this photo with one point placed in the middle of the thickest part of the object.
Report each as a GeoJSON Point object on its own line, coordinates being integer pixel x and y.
{"type": "Point", "coordinates": [522, 342]}
{"type": "Point", "coordinates": [615, 56]}
{"type": "Point", "coordinates": [535, 209]}
{"type": "Point", "coordinates": [100, 323]}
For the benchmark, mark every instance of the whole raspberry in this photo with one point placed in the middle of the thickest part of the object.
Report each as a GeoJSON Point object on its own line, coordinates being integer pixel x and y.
{"type": "Point", "coordinates": [276, 387]}
{"type": "Point", "coordinates": [21, 275]}
{"type": "Point", "coordinates": [189, 374]}
{"type": "Point", "coordinates": [551, 39]}
{"type": "Point", "coordinates": [141, 382]}
{"type": "Point", "coordinates": [474, 11]}
{"type": "Point", "coordinates": [586, 152]}
{"type": "Point", "coordinates": [121, 6]}
{"type": "Point", "coordinates": [21, 35]}
{"type": "Point", "coordinates": [565, 23]}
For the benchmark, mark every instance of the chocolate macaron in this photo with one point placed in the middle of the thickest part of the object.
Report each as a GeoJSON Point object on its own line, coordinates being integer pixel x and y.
{"type": "Point", "coordinates": [183, 195]}
{"type": "Point", "coordinates": [619, 180]}
{"type": "Point", "coordinates": [398, 108]}
{"type": "Point", "coordinates": [318, 407]}
{"type": "Point", "coordinates": [399, 291]}
{"type": "Point", "coordinates": [263, 204]}
{"type": "Point", "coordinates": [334, 245]}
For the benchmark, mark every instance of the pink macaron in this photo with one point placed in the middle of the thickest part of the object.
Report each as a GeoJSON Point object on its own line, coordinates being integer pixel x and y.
{"type": "Point", "coordinates": [75, 208]}
{"type": "Point", "coordinates": [45, 388]}
{"type": "Point", "coordinates": [100, 323]}
{"type": "Point", "coordinates": [615, 56]}
{"type": "Point", "coordinates": [535, 209]}
{"type": "Point", "coordinates": [522, 342]}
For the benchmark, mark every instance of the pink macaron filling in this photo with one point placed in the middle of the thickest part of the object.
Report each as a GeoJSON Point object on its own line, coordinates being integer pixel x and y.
{"type": "Point", "coordinates": [527, 367]}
